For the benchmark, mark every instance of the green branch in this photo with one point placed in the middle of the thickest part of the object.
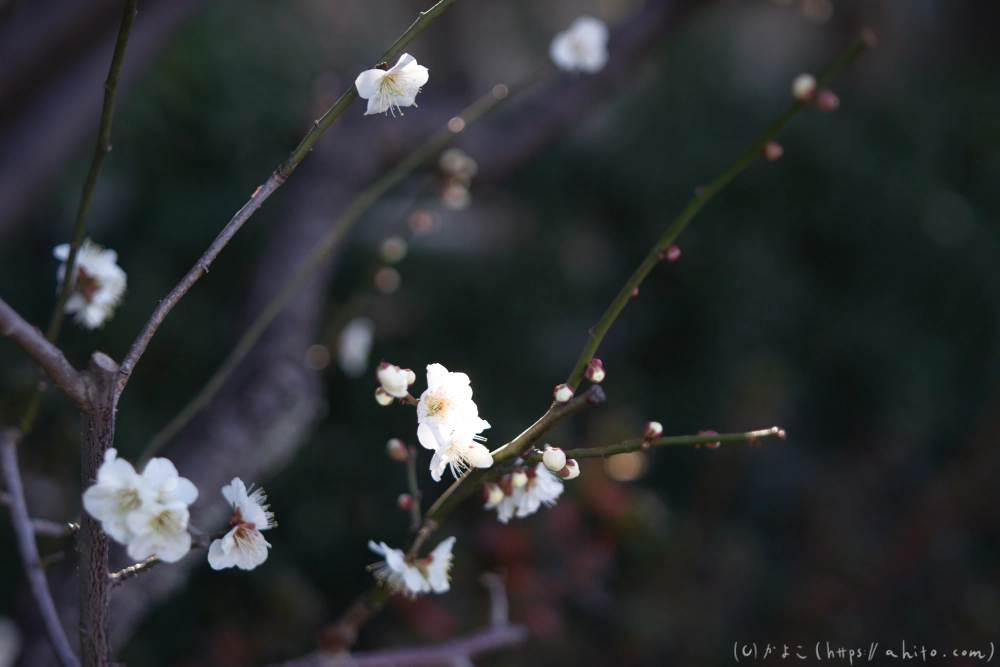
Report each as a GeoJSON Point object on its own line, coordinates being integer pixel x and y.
{"type": "Point", "coordinates": [636, 444]}
{"type": "Point", "coordinates": [702, 197]}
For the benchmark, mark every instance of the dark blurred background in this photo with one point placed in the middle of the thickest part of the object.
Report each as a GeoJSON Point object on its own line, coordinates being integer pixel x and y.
{"type": "Point", "coordinates": [849, 292]}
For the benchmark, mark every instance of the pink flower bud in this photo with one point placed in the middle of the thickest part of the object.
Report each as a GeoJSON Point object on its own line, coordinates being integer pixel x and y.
{"type": "Point", "coordinates": [773, 151]}
{"type": "Point", "coordinates": [652, 430]}
{"type": "Point", "coordinates": [635, 292]}
{"type": "Point", "coordinates": [571, 471]}
{"type": "Point", "coordinates": [404, 502]}
{"type": "Point", "coordinates": [554, 459]}
{"type": "Point", "coordinates": [595, 371]}
{"type": "Point", "coordinates": [382, 397]}
{"type": "Point", "coordinates": [827, 100]}
{"type": "Point", "coordinates": [673, 253]}
{"type": "Point", "coordinates": [804, 87]}
{"type": "Point", "coordinates": [563, 393]}
{"type": "Point", "coordinates": [396, 449]}
{"type": "Point", "coordinates": [711, 445]}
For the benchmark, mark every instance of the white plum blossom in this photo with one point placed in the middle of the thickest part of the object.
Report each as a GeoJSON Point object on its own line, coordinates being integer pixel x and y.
{"type": "Point", "coordinates": [149, 512]}
{"type": "Point", "coordinates": [459, 455]}
{"type": "Point", "coordinates": [583, 47]}
{"type": "Point", "coordinates": [448, 423]}
{"type": "Point", "coordinates": [542, 487]}
{"type": "Point", "coordinates": [159, 529]}
{"type": "Point", "coordinates": [413, 577]}
{"type": "Point", "coordinates": [243, 546]}
{"type": "Point", "coordinates": [118, 492]}
{"type": "Point", "coordinates": [98, 286]}
{"type": "Point", "coordinates": [389, 90]}
{"type": "Point", "coordinates": [554, 459]}
{"type": "Point", "coordinates": [395, 380]}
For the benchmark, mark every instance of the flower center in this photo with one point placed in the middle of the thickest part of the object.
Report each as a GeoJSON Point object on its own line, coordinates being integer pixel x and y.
{"type": "Point", "coordinates": [86, 285]}
{"type": "Point", "coordinates": [128, 500]}
{"type": "Point", "coordinates": [435, 405]}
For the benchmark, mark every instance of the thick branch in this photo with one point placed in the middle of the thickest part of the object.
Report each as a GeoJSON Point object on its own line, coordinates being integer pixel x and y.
{"type": "Point", "coordinates": [45, 354]}
{"type": "Point", "coordinates": [635, 444]}
{"type": "Point", "coordinates": [25, 531]}
{"type": "Point", "coordinates": [702, 197]}
{"type": "Point", "coordinates": [262, 193]}
{"type": "Point", "coordinates": [98, 437]}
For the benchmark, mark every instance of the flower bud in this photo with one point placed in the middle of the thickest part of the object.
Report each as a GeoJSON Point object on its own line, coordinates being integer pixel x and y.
{"type": "Point", "coordinates": [595, 371]}
{"type": "Point", "coordinates": [711, 445]}
{"type": "Point", "coordinates": [652, 431]}
{"type": "Point", "coordinates": [411, 377]}
{"type": "Point", "coordinates": [827, 100]}
{"type": "Point", "coordinates": [518, 479]}
{"type": "Point", "coordinates": [595, 395]}
{"type": "Point", "coordinates": [635, 292]}
{"type": "Point", "coordinates": [563, 393]}
{"type": "Point", "coordinates": [382, 397]}
{"type": "Point", "coordinates": [494, 494]}
{"type": "Point", "coordinates": [554, 459]}
{"type": "Point", "coordinates": [396, 449]}
{"type": "Point", "coordinates": [804, 87]}
{"type": "Point", "coordinates": [673, 253]}
{"type": "Point", "coordinates": [571, 471]}
{"type": "Point", "coordinates": [393, 379]}
{"type": "Point", "coordinates": [773, 151]}
{"type": "Point", "coordinates": [404, 502]}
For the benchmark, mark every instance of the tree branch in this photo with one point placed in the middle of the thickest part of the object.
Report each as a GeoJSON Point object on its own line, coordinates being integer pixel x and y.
{"type": "Point", "coordinates": [262, 193]}
{"type": "Point", "coordinates": [42, 526]}
{"type": "Point", "coordinates": [45, 354]}
{"type": "Point", "coordinates": [635, 444]}
{"type": "Point", "coordinates": [25, 531]}
{"type": "Point", "coordinates": [702, 197]}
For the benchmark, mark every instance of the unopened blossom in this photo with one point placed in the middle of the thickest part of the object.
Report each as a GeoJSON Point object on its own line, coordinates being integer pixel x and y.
{"type": "Point", "coordinates": [562, 393]}
{"type": "Point", "coordinates": [542, 487]}
{"type": "Point", "coordinates": [571, 471]}
{"type": "Point", "coordinates": [388, 90]}
{"type": "Point", "coordinates": [395, 380]}
{"type": "Point", "coordinates": [382, 397]}
{"type": "Point", "coordinates": [118, 492]}
{"type": "Point", "coordinates": [554, 459]}
{"type": "Point", "coordinates": [652, 430]}
{"type": "Point", "coordinates": [583, 47]}
{"type": "Point", "coordinates": [446, 411]}
{"type": "Point", "coordinates": [412, 577]}
{"type": "Point", "coordinates": [595, 371]}
{"type": "Point", "coordinates": [243, 546]}
{"type": "Point", "coordinates": [98, 283]}
{"type": "Point", "coordinates": [803, 87]}
{"type": "Point", "coordinates": [159, 529]}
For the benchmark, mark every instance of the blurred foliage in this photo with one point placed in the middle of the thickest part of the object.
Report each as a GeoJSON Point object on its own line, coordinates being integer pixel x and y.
{"type": "Point", "coordinates": [849, 292]}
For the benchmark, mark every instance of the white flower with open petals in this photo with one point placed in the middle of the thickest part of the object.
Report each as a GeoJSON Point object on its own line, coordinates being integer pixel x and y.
{"type": "Point", "coordinates": [118, 492]}
{"type": "Point", "coordinates": [389, 90]}
{"type": "Point", "coordinates": [460, 455]}
{"type": "Point", "coordinates": [243, 546]}
{"type": "Point", "coordinates": [583, 47]}
{"type": "Point", "coordinates": [159, 529]}
{"type": "Point", "coordinates": [413, 577]}
{"type": "Point", "coordinates": [163, 484]}
{"type": "Point", "coordinates": [98, 286]}
{"type": "Point", "coordinates": [446, 411]}
{"type": "Point", "coordinates": [542, 488]}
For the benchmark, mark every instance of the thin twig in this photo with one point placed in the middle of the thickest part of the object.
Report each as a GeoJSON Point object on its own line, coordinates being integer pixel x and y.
{"type": "Point", "coordinates": [499, 606]}
{"type": "Point", "coordinates": [636, 444]}
{"type": "Point", "coordinates": [259, 196]}
{"type": "Point", "coordinates": [24, 529]}
{"type": "Point", "coordinates": [42, 526]}
{"type": "Point", "coordinates": [83, 211]}
{"type": "Point", "coordinates": [702, 197]}
{"type": "Point", "coordinates": [312, 262]}
{"type": "Point", "coordinates": [119, 577]}
{"type": "Point", "coordinates": [45, 354]}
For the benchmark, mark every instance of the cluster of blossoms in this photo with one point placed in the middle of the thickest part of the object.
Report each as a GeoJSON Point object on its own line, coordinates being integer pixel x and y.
{"type": "Point", "coordinates": [148, 513]}
{"type": "Point", "coordinates": [524, 490]}
{"type": "Point", "coordinates": [412, 576]}
{"type": "Point", "coordinates": [583, 47]}
{"type": "Point", "coordinates": [98, 283]}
